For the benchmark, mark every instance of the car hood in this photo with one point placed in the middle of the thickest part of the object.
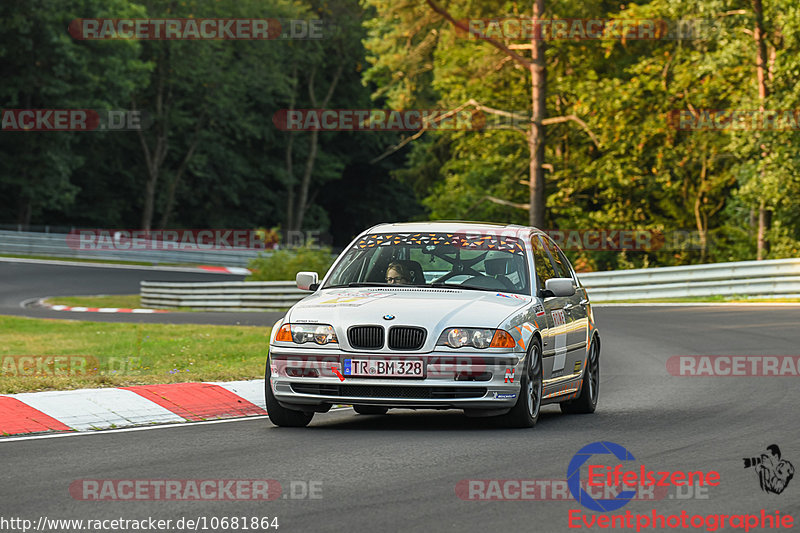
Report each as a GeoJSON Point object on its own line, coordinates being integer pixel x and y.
{"type": "Point", "coordinates": [433, 309]}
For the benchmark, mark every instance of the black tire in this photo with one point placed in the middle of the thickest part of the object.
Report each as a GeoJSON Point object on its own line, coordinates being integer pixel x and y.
{"type": "Point", "coordinates": [586, 403]}
{"type": "Point", "coordinates": [279, 415]}
{"type": "Point", "coordinates": [525, 412]}
{"type": "Point", "coordinates": [370, 409]}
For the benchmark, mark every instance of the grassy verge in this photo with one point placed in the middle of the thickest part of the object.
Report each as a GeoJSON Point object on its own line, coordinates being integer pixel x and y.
{"type": "Point", "coordinates": [125, 301]}
{"type": "Point", "coordinates": [37, 354]}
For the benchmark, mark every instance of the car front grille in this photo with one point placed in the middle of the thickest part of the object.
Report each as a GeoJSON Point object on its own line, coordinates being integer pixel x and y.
{"type": "Point", "coordinates": [365, 337]}
{"type": "Point", "coordinates": [406, 338]}
{"type": "Point", "coordinates": [389, 391]}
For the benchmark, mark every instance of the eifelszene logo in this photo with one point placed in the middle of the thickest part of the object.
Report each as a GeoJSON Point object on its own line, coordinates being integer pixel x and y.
{"type": "Point", "coordinates": [574, 476]}
{"type": "Point", "coordinates": [617, 477]}
{"type": "Point", "coordinates": [774, 473]}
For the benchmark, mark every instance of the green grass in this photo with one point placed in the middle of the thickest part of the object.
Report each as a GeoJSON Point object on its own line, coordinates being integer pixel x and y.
{"type": "Point", "coordinates": [125, 301]}
{"type": "Point", "coordinates": [114, 355]}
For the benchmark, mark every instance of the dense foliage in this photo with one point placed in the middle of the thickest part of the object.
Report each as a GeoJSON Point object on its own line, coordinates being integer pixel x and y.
{"type": "Point", "coordinates": [284, 264]}
{"type": "Point", "coordinates": [212, 156]}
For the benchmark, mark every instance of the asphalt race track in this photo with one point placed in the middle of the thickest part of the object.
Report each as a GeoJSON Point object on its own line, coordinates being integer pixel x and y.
{"type": "Point", "coordinates": [399, 472]}
{"type": "Point", "coordinates": [22, 281]}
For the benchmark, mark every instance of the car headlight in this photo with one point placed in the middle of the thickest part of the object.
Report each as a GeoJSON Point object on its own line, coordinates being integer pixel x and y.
{"type": "Point", "coordinates": [476, 337]}
{"type": "Point", "coordinates": [302, 333]}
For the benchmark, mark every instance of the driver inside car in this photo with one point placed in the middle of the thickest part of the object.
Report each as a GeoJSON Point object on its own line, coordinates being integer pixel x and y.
{"type": "Point", "coordinates": [398, 274]}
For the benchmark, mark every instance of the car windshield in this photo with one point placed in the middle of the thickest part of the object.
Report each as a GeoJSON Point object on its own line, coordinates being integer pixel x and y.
{"type": "Point", "coordinates": [469, 261]}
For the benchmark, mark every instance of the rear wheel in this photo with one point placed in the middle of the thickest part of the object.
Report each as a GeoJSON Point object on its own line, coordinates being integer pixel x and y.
{"type": "Point", "coordinates": [586, 403]}
{"type": "Point", "coordinates": [370, 409]}
{"type": "Point", "coordinates": [525, 412]}
{"type": "Point", "coordinates": [279, 415]}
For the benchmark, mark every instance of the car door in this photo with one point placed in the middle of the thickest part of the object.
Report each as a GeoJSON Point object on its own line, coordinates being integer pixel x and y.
{"type": "Point", "coordinates": [575, 308]}
{"type": "Point", "coordinates": [554, 337]}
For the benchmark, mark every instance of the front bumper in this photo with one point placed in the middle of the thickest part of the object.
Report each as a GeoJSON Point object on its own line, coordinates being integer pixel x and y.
{"type": "Point", "coordinates": [479, 380]}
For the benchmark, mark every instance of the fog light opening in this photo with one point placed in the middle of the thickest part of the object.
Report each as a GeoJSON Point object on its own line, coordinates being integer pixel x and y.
{"type": "Point", "coordinates": [302, 372]}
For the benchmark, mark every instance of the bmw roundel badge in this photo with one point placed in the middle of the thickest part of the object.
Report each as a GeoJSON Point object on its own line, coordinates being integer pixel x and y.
{"type": "Point", "coordinates": [388, 317]}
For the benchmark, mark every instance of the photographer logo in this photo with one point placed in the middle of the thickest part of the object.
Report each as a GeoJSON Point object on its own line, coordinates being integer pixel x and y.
{"type": "Point", "coordinates": [618, 477]}
{"type": "Point", "coordinates": [773, 472]}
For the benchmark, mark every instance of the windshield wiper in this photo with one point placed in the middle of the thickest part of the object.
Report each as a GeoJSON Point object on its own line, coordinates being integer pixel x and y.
{"type": "Point", "coordinates": [357, 284]}
{"type": "Point", "coordinates": [467, 287]}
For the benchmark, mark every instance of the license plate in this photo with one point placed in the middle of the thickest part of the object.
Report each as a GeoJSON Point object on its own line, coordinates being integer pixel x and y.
{"type": "Point", "coordinates": [396, 368]}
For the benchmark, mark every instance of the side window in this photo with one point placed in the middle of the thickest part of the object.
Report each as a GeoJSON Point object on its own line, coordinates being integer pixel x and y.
{"type": "Point", "coordinates": [541, 262]}
{"type": "Point", "coordinates": [350, 273]}
{"type": "Point", "coordinates": [566, 263]}
{"type": "Point", "coordinates": [559, 261]}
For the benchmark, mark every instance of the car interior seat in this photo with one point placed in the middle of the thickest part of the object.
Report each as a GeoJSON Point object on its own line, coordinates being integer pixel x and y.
{"type": "Point", "coordinates": [498, 269]}
{"type": "Point", "coordinates": [417, 275]}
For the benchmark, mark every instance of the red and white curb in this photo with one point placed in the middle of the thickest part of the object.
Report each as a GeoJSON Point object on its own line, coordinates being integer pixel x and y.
{"type": "Point", "coordinates": [226, 270]}
{"type": "Point", "coordinates": [93, 409]}
{"type": "Point", "coordinates": [81, 309]}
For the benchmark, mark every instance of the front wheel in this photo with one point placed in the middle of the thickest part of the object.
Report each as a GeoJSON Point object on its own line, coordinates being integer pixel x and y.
{"type": "Point", "coordinates": [586, 403]}
{"type": "Point", "coordinates": [279, 415]}
{"type": "Point", "coordinates": [525, 412]}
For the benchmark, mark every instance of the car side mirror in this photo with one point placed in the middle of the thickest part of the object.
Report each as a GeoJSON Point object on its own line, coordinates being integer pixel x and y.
{"type": "Point", "coordinates": [307, 281]}
{"type": "Point", "coordinates": [559, 287]}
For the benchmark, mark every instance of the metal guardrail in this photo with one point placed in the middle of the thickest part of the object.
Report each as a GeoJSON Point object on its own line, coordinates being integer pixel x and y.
{"type": "Point", "coordinates": [57, 245]}
{"type": "Point", "coordinates": [222, 296]}
{"type": "Point", "coordinates": [769, 279]}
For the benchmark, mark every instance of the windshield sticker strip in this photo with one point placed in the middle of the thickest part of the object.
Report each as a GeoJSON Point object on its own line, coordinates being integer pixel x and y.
{"type": "Point", "coordinates": [472, 242]}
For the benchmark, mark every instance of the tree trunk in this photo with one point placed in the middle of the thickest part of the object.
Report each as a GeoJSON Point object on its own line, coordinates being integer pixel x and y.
{"type": "Point", "coordinates": [149, 202]}
{"type": "Point", "coordinates": [536, 136]}
{"type": "Point", "coordinates": [154, 159]}
{"type": "Point", "coordinates": [305, 182]}
{"type": "Point", "coordinates": [764, 220]}
{"type": "Point", "coordinates": [289, 185]}
{"type": "Point", "coordinates": [701, 222]}
{"type": "Point", "coordinates": [173, 186]}
{"type": "Point", "coordinates": [24, 213]}
{"type": "Point", "coordinates": [302, 203]}
{"type": "Point", "coordinates": [764, 217]}
{"type": "Point", "coordinates": [289, 223]}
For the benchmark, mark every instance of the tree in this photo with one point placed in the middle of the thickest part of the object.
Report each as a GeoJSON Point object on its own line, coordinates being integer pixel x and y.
{"type": "Point", "coordinates": [198, 89]}
{"type": "Point", "coordinates": [535, 123]}
{"type": "Point", "coordinates": [44, 68]}
{"type": "Point", "coordinates": [325, 74]}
